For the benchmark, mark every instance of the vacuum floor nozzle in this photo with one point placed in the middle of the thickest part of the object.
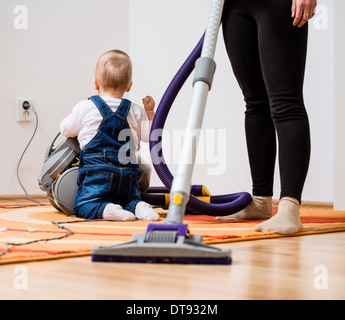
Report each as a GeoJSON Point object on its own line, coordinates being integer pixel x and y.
{"type": "Point", "coordinates": [163, 243]}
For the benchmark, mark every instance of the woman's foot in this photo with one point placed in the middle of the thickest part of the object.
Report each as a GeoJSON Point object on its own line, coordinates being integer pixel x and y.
{"type": "Point", "coordinates": [286, 221]}
{"type": "Point", "coordinates": [260, 208]}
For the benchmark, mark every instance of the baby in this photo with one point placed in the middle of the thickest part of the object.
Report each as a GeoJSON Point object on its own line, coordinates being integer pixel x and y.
{"type": "Point", "coordinates": [109, 130]}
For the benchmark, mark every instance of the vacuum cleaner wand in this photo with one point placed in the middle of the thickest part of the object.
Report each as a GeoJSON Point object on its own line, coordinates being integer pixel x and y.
{"type": "Point", "coordinates": [171, 242]}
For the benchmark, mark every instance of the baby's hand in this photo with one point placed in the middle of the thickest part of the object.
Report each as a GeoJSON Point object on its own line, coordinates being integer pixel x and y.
{"type": "Point", "coordinates": [149, 105]}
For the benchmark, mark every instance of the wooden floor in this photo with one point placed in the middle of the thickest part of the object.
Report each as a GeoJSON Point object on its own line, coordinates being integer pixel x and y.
{"type": "Point", "coordinates": [308, 267]}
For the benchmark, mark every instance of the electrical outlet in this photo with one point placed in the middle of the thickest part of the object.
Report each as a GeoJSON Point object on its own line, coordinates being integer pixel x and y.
{"type": "Point", "coordinates": [24, 112]}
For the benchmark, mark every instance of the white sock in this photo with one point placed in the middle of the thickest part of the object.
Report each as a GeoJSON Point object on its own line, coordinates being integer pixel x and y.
{"type": "Point", "coordinates": [286, 221]}
{"type": "Point", "coordinates": [260, 208]}
{"type": "Point", "coordinates": [144, 211]}
{"type": "Point", "coordinates": [115, 212]}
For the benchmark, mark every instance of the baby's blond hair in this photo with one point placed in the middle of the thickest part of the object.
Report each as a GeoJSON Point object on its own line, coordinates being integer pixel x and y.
{"type": "Point", "coordinates": [114, 71]}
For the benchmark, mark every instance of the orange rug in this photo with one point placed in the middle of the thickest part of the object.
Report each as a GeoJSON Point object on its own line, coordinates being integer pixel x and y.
{"type": "Point", "coordinates": [35, 223]}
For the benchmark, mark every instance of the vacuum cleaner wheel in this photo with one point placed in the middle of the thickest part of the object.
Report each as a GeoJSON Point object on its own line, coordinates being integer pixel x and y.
{"type": "Point", "coordinates": [65, 190]}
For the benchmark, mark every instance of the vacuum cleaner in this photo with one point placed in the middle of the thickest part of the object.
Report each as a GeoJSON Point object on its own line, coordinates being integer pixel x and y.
{"type": "Point", "coordinates": [59, 174]}
{"type": "Point", "coordinates": [171, 241]}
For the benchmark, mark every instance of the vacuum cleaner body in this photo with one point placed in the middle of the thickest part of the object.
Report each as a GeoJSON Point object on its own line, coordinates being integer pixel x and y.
{"type": "Point", "coordinates": [59, 174]}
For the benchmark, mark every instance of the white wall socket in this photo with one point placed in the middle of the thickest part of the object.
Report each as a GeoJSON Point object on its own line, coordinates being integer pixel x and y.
{"type": "Point", "coordinates": [23, 114]}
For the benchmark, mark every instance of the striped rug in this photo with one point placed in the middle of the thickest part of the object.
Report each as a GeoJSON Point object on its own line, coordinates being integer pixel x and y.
{"type": "Point", "coordinates": [22, 225]}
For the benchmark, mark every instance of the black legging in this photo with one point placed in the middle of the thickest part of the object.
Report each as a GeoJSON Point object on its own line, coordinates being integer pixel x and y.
{"type": "Point", "coordinates": [268, 57]}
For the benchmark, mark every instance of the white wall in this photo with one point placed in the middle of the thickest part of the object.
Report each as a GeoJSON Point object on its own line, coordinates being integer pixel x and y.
{"type": "Point", "coordinates": [53, 63]}
{"type": "Point", "coordinates": [319, 99]}
{"type": "Point", "coordinates": [339, 106]}
{"type": "Point", "coordinates": [162, 34]}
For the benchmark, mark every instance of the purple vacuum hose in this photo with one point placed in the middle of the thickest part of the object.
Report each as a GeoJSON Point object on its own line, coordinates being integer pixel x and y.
{"type": "Point", "coordinates": [219, 205]}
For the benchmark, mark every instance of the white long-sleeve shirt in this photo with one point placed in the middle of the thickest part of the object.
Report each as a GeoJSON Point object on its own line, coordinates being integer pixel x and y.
{"type": "Point", "coordinates": [85, 119]}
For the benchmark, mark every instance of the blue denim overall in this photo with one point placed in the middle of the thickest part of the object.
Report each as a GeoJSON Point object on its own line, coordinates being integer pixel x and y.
{"type": "Point", "coordinates": [108, 170]}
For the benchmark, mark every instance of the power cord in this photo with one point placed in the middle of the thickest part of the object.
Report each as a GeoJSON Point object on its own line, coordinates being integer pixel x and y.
{"type": "Point", "coordinates": [26, 106]}
{"type": "Point", "coordinates": [57, 224]}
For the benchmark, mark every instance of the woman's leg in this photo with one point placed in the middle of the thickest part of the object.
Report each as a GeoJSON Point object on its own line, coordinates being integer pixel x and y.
{"type": "Point", "coordinates": [241, 40]}
{"type": "Point", "coordinates": [266, 51]}
{"type": "Point", "coordinates": [283, 50]}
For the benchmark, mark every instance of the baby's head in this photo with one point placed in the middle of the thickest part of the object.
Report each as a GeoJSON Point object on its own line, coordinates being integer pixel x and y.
{"type": "Point", "coordinates": [113, 72]}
